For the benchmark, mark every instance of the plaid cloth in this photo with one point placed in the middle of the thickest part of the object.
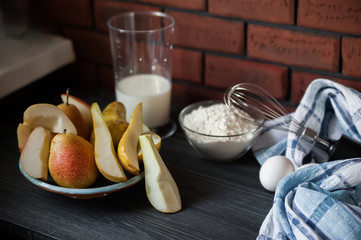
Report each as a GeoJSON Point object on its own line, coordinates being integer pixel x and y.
{"type": "Point", "coordinates": [321, 201]}
{"type": "Point", "coordinates": [317, 202]}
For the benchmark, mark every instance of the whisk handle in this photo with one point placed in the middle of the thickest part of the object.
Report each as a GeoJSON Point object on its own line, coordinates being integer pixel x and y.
{"type": "Point", "coordinates": [344, 148]}
{"type": "Point", "coordinates": [311, 136]}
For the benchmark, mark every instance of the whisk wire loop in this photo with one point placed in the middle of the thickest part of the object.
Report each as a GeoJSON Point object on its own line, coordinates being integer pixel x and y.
{"type": "Point", "coordinates": [263, 109]}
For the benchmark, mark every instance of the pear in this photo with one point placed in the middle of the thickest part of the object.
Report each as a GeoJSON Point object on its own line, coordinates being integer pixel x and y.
{"type": "Point", "coordinates": [115, 111]}
{"type": "Point", "coordinates": [114, 117]}
{"type": "Point", "coordinates": [71, 161]}
{"type": "Point", "coordinates": [23, 133]}
{"type": "Point", "coordinates": [48, 116]}
{"type": "Point", "coordinates": [105, 157]}
{"type": "Point", "coordinates": [161, 189]}
{"type": "Point", "coordinates": [76, 117]}
{"type": "Point", "coordinates": [127, 148]}
{"type": "Point", "coordinates": [156, 139]}
{"type": "Point", "coordinates": [34, 156]}
{"type": "Point", "coordinates": [83, 107]}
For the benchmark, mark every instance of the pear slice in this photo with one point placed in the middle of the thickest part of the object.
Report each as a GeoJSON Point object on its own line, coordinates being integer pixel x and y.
{"type": "Point", "coordinates": [127, 147]}
{"type": "Point", "coordinates": [156, 139]}
{"type": "Point", "coordinates": [161, 189]}
{"type": "Point", "coordinates": [48, 116]}
{"type": "Point", "coordinates": [23, 133]}
{"type": "Point", "coordinates": [83, 107]}
{"type": "Point", "coordinates": [34, 157]}
{"type": "Point", "coordinates": [105, 157]}
{"type": "Point", "coordinates": [114, 117]}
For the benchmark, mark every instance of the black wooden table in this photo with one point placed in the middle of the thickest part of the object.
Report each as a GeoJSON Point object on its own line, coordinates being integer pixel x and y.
{"type": "Point", "coordinates": [220, 201]}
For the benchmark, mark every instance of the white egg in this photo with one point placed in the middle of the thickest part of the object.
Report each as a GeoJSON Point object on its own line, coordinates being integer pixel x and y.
{"type": "Point", "coordinates": [273, 170]}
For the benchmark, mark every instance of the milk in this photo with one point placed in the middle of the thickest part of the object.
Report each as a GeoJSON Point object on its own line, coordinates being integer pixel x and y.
{"type": "Point", "coordinates": [151, 89]}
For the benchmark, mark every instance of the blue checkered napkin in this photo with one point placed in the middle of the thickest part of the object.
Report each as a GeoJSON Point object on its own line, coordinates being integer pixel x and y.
{"type": "Point", "coordinates": [317, 202]}
{"type": "Point", "coordinates": [328, 108]}
{"type": "Point", "coordinates": [321, 201]}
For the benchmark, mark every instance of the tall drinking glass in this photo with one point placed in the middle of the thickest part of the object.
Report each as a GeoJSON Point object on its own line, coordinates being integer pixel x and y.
{"type": "Point", "coordinates": [141, 44]}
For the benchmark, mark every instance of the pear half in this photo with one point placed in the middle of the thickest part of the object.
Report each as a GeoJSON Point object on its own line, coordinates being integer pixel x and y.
{"type": "Point", "coordinates": [23, 133]}
{"type": "Point", "coordinates": [105, 157]}
{"type": "Point", "coordinates": [34, 157]}
{"type": "Point", "coordinates": [48, 116]}
{"type": "Point", "coordinates": [128, 144]}
{"type": "Point", "coordinates": [161, 189]}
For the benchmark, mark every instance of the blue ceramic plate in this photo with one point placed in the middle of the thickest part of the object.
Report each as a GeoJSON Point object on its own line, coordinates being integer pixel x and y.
{"type": "Point", "coordinates": [100, 189]}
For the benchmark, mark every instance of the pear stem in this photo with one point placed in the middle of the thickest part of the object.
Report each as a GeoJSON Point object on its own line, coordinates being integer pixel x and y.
{"type": "Point", "coordinates": [67, 96]}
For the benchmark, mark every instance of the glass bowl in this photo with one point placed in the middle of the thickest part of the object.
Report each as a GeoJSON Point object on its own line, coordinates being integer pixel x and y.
{"type": "Point", "coordinates": [217, 148]}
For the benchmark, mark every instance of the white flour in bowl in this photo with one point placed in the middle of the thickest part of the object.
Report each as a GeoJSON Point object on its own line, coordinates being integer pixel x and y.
{"type": "Point", "coordinates": [217, 120]}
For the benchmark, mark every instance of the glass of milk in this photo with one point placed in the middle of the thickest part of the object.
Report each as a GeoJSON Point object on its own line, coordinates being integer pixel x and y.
{"type": "Point", "coordinates": [141, 44]}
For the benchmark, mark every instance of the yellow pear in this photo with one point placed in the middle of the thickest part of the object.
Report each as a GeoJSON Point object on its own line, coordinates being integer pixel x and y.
{"type": "Point", "coordinates": [127, 148]}
{"type": "Point", "coordinates": [105, 157]}
{"type": "Point", "coordinates": [76, 117]}
{"type": "Point", "coordinates": [115, 111]}
{"type": "Point", "coordinates": [83, 107]}
{"type": "Point", "coordinates": [161, 189]}
{"type": "Point", "coordinates": [34, 156]}
{"type": "Point", "coordinates": [114, 117]}
{"type": "Point", "coordinates": [48, 116]}
{"type": "Point", "coordinates": [71, 161]}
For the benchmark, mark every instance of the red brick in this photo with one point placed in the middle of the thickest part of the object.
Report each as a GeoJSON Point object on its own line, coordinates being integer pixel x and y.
{"type": "Point", "coordinates": [225, 72]}
{"type": "Point", "coordinates": [289, 109]}
{"type": "Point", "coordinates": [334, 15]}
{"type": "Point", "coordinates": [86, 74]}
{"type": "Point", "coordinates": [104, 9]}
{"type": "Point", "coordinates": [276, 11]}
{"type": "Point", "coordinates": [208, 33]}
{"type": "Point", "coordinates": [184, 94]}
{"type": "Point", "coordinates": [65, 11]}
{"type": "Point", "coordinates": [293, 47]}
{"type": "Point", "coordinates": [301, 80]}
{"type": "Point", "coordinates": [187, 65]}
{"type": "Point", "coordinates": [51, 27]}
{"type": "Point", "coordinates": [90, 46]}
{"type": "Point", "coordinates": [199, 5]}
{"type": "Point", "coordinates": [351, 56]}
{"type": "Point", "coordinates": [106, 78]}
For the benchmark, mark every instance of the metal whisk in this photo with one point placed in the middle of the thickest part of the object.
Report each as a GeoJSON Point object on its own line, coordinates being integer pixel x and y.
{"type": "Point", "coordinates": [261, 106]}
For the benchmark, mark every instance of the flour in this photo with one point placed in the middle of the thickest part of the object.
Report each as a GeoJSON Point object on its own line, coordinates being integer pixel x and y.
{"type": "Point", "coordinates": [217, 120]}
{"type": "Point", "coordinates": [224, 136]}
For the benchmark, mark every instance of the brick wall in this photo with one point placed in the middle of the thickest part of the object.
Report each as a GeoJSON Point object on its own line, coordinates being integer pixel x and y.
{"type": "Point", "coordinates": [282, 45]}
